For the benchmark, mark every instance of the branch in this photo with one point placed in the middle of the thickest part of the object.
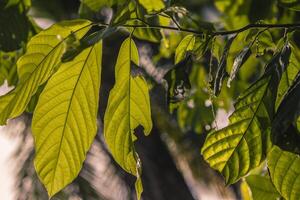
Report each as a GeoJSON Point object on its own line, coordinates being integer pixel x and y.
{"type": "Point", "coordinates": [216, 33]}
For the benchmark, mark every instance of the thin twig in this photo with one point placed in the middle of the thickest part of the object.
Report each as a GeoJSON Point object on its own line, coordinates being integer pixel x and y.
{"type": "Point", "coordinates": [214, 33]}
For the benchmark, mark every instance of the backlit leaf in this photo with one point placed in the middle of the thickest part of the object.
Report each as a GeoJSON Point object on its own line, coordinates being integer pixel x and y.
{"type": "Point", "coordinates": [262, 188]}
{"type": "Point", "coordinates": [243, 144]}
{"type": "Point", "coordinates": [128, 107]}
{"type": "Point", "coordinates": [38, 64]}
{"type": "Point", "coordinates": [186, 45]}
{"type": "Point", "coordinates": [65, 119]}
{"type": "Point", "coordinates": [284, 168]}
{"type": "Point", "coordinates": [152, 5]}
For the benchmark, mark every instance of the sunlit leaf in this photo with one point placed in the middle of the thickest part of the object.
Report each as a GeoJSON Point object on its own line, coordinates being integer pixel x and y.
{"type": "Point", "coordinates": [186, 45]}
{"type": "Point", "coordinates": [243, 144]}
{"type": "Point", "coordinates": [65, 119]}
{"type": "Point", "coordinates": [152, 5]}
{"type": "Point", "coordinates": [262, 188]}
{"type": "Point", "coordinates": [284, 168]}
{"type": "Point", "coordinates": [128, 107]}
{"type": "Point", "coordinates": [95, 5]}
{"type": "Point", "coordinates": [38, 64]}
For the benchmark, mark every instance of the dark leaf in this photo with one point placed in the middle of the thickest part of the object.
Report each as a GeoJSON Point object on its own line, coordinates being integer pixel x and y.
{"type": "Point", "coordinates": [95, 34]}
{"type": "Point", "coordinates": [178, 83]}
{"type": "Point", "coordinates": [14, 27]}
{"type": "Point", "coordinates": [284, 134]}
{"type": "Point", "coordinates": [221, 72]}
{"type": "Point", "coordinates": [260, 10]}
{"type": "Point", "coordinates": [238, 62]}
{"type": "Point", "coordinates": [290, 4]}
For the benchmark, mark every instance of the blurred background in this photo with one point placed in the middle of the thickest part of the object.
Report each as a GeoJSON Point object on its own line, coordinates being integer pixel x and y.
{"type": "Point", "coordinates": [173, 168]}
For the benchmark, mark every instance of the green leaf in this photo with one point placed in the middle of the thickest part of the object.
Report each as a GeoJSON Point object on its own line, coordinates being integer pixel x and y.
{"type": "Point", "coordinates": [38, 64]}
{"type": "Point", "coordinates": [128, 107]}
{"type": "Point", "coordinates": [290, 4]}
{"type": "Point", "coordinates": [262, 188]}
{"type": "Point", "coordinates": [65, 119]}
{"type": "Point", "coordinates": [186, 45]}
{"type": "Point", "coordinates": [243, 144]}
{"type": "Point", "coordinates": [221, 72]}
{"type": "Point", "coordinates": [288, 76]}
{"type": "Point", "coordinates": [284, 134]}
{"type": "Point", "coordinates": [94, 35]}
{"type": "Point", "coordinates": [238, 62]}
{"type": "Point", "coordinates": [284, 168]}
{"type": "Point", "coordinates": [8, 67]}
{"type": "Point", "coordinates": [152, 5]}
{"type": "Point", "coordinates": [148, 34]}
{"type": "Point", "coordinates": [96, 5]}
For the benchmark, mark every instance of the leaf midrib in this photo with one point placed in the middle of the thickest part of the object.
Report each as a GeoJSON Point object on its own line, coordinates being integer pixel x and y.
{"type": "Point", "coordinates": [252, 119]}
{"type": "Point", "coordinates": [67, 117]}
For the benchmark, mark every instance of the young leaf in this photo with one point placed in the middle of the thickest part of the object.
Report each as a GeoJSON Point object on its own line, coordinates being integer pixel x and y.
{"type": "Point", "coordinates": [38, 64]}
{"type": "Point", "coordinates": [221, 72]}
{"type": "Point", "coordinates": [284, 168]}
{"type": "Point", "coordinates": [242, 145]}
{"type": "Point", "coordinates": [128, 107]}
{"type": "Point", "coordinates": [65, 119]}
{"type": "Point", "coordinates": [283, 133]}
{"type": "Point", "coordinates": [186, 45]}
{"type": "Point", "coordinates": [238, 62]}
{"type": "Point", "coordinates": [262, 188]}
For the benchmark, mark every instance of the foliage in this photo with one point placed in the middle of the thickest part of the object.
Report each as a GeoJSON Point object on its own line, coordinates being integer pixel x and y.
{"type": "Point", "coordinates": [57, 76]}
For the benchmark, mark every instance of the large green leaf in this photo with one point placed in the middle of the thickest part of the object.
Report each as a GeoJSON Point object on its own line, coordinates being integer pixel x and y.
{"type": "Point", "coordinates": [65, 119]}
{"type": "Point", "coordinates": [284, 168]}
{"type": "Point", "coordinates": [262, 188]}
{"type": "Point", "coordinates": [128, 107]}
{"type": "Point", "coordinates": [38, 64]}
{"type": "Point", "coordinates": [242, 145]}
